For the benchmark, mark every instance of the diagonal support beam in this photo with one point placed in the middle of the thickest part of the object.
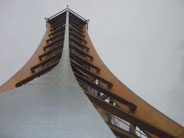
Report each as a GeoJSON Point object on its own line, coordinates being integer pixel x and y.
{"type": "Point", "coordinates": [57, 26]}
{"type": "Point", "coordinates": [58, 34]}
{"type": "Point", "coordinates": [129, 117]}
{"type": "Point", "coordinates": [50, 51]}
{"type": "Point", "coordinates": [73, 30]}
{"type": "Point", "coordinates": [81, 51]}
{"type": "Point", "coordinates": [92, 74]}
{"type": "Point", "coordinates": [58, 55]}
{"type": "Point", "coordinates": [80, 26]}
{"type": "Point", "coordinates": [58, 30]}
{"type": "Point", "coordinates": [73, 34]}
{"type": "Point", "coordinates": [107, 92]}
{"type": "Point", "coordinates": [78, 43]}
{"type": "Point", "coordinates": [76, 26]}
{"type": "Point", "coordinates": [60, 39]}
{"type": "Point", "coordinates": [37, 74]}
{"type": "Point", "coordinates": [58, 22]}
{"type": "Point", "coordinates": [120, 132]}
{"type": "Point", "coordinates": [85, 61]}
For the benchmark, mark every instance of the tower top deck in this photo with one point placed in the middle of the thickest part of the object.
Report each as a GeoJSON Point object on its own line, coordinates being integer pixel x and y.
{"type": "Point", "coordinates": [72, 14]}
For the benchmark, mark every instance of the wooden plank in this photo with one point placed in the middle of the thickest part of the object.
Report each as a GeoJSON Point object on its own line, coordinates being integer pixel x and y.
{"type": "Point", "coordinates": [107, 92]}
{"type": "Point", "coordinates": [129, 117]}
{"type": "Point", "coordinates": [109, 84]}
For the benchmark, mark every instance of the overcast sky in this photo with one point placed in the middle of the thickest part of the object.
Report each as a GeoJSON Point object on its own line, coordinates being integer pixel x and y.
{"type": "Point", "coordinates": [141, 42]}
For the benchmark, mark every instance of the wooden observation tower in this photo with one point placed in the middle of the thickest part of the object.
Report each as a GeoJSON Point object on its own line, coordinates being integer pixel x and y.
{"type": "Point", "coordinates": [65, 90]}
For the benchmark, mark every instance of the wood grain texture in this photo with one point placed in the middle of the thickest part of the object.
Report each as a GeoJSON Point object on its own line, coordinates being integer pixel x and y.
{"type": "Point", "coordinates": [25, 71]}
{"type": "Point", "coordinates": [144, 111]}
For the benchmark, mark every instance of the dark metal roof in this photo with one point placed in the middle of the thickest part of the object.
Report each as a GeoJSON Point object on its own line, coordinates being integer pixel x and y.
{"type": "Point", "coordinates": [72, 14]}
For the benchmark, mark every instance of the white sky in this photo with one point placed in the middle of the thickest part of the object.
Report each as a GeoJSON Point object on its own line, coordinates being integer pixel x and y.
{"type": "Point", "coordinates": [141, 41]}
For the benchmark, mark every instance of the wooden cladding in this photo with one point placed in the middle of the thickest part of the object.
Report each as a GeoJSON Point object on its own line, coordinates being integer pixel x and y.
{"type": "Point", "coordinates": [107, 92]}
{"type": "Point", "coordinates": [52, 53]}
{"type": "Point", "coordinates": [56, 56]}
{"type": "Point", "coordinates": [129, 117]}
{"type": "Point", "coordinates": [35, 75]}
{"type": "Point", "coordinates": [80, 51]}
{"type": "Point", "coordinates": [85, 61]}
{"type": "Point", "coordinates": [92, 74]}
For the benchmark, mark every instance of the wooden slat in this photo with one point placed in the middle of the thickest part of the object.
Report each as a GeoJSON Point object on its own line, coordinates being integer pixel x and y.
{"type": "Point", "coordinates": [45, 47]}
{"type": "Point", "coordinates": [50, 51]}
{"type": "Point", "coordinates": [120, 132]}
{"type": "Point", "coordinates": [76, 26]}
{"type": "Point", "coordinates": [37, 74]}
{"type": "Point", "coordinates": [78, 43]}
{"type": "Point", "coordinates": [55, 36]}
{"type": "Point", "coordinates": [70, 20]}
{"type": "Point", "coordinates": [58, 30]}
{"type": "Point", "coordinates": [71, 29]}
{"type": "Point", "coordinates": [58, 55]}
{"type": "Point", "coordinates": [144, 110]}
{"type": "Point", "coordinates": [55, 27]}
{"type": "Point", "coordinates": [70, 26]}
{"type": "Point", "coordinates": [92, 74]}
{"type": "Point", "coordinates": [85, 61]}
{"type": "Point", "coordinates": [129, 117]}
{"type": "Point", "coordinates": [58, 22]}
{"type": "Point", "coordinates": [78, 37]}
{"type": "Point", "coordinates": [107, 92]}
{"type": "Point", "coordinates": [81, 51]}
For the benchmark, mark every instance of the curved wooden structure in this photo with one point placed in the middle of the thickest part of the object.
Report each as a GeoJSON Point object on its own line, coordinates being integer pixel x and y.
{"type": "Point", "coordinates": [25, 71]}
{"type": "Point", "coordinates": [130, 106]}
{"type": "Point", "coordinates": [144, 110]}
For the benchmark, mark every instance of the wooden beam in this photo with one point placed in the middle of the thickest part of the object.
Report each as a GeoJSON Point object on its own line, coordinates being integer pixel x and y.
{"type": "Point", "coordinates": [70, 20]}
{"type": "Point", "coordinates": [50, 51]}
{"type": "Point", "coordinates": [58, 55]}
{"type": "Point", "coordinates": [107, 92]}
{"type": "Point", "coordinates": [78, 43]}
{"type": "Point", "coordinates": [58, 22]}
{"type": "Point", "coordinates": [77, 32]}
{"type": "Point", "coordinates": [120, 132]}
{"type": "Point", "coordinates": [61, 33]}
{"type": "Point", "coordinates": [129, 117]}
{"type": "Point", "coordinates": [76, 26]}
{"type": "Point", "coordinates": [45, 47]}
{"type": "Point", "coordinates": [92, 74]}
{"type": "Point", "coordinates": [85, 61]}
{"type": "Point", "coordinates": [55, 27]}
{"type": "Point", "coordinates": [81, 51]}
{"type": "Point", "coordinates": [78, 37]}
{"type": "Point", "coordinates": [37, 74]}
{"type": "Point", "coordinates": [58, 30]}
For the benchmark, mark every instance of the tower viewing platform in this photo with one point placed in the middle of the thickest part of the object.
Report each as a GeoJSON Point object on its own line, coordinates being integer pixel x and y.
{"type": "Point", "coordinates": [65, 90]}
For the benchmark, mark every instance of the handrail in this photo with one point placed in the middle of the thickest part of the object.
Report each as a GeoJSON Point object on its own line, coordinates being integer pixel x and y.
{"type": "Point", "coordinates": [53, 16]}
{"type": "Point", "coordinates": [78, 15]}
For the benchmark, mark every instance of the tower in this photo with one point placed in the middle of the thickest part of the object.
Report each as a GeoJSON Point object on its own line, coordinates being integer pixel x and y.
{"type": "Point", "coordinates": [52, 89]}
